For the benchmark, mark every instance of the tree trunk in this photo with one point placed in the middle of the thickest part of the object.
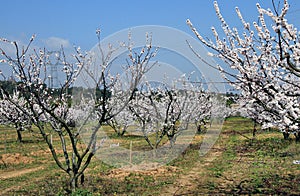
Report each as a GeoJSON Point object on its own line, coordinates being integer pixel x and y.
{"type": "Point", "coordinates": [122, 131]}
{"type": "Point", "coordinates": [285, 135]}
{"type": "Point", "coordinates": [172, 141]}
{"type": "Point", "coordinates": [19, 134]}
{"type": "Point", "coordinates": [186, 126]}
{"type": "Point", "coordinates": [199, 128]}
{"type": "Point", "coordinates": [297, 135]}
{"type": "Point", "coordinates": [254, 129]}
{"type": "Point", "coordinates": [73, 181]}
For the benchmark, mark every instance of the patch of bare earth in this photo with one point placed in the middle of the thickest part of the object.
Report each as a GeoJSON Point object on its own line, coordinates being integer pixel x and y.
{"type": "Point", "coordinates": [16, 173]}
{"type": "Point", "coordinates": [15, 159]}
{"type": "Point", "coordinates": [152, 169]}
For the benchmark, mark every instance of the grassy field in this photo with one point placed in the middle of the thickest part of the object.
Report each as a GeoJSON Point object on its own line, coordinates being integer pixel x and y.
{"type": "Point", "coordinates": [237, 164]}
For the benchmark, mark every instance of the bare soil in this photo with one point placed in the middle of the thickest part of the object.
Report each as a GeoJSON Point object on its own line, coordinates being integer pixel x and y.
{"type": "Point", "coordinates": [17, 173]}
{"type": "Point", "coordinates": [151, 169]}
{"type": "Point", "coordinates": [15, 159]}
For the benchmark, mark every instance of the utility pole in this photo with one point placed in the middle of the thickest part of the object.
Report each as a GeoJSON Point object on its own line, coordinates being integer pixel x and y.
{"type": "Point", "coordinates": [54, 61]}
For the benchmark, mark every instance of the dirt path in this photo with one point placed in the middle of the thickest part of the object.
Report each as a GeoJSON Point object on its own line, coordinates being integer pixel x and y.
{"type": "Point", "coordinates": [16, 173]}
{"type": "Point", "coordinates": [186, 183]}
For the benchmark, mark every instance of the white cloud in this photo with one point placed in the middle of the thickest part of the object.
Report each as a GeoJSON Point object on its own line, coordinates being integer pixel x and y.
{"type": "Point", "coordinates": [56, 43]}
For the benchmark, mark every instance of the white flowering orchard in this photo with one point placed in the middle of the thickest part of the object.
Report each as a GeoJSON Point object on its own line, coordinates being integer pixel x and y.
{"type": "Point", "coordinates": [55, 112]}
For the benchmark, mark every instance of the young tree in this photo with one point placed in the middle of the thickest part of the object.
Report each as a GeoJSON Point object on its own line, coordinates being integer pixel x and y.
{"type": "Point", "coordinates": [197, 109]}
{"type": "Point", "coordinates": [167, 110]}
{"type": "Point", "coordinates": [31, 76]}
{"type": "Point", "coordinates": [53, 105]}
{"type": "Point", "coordinates": [143, 112]}
{"type": "Point", "coordinates": [266, 60]}
{"type": "Point", "coordinates": [12, 115]}
{"type": "Point", "coordinates": [122, 120]}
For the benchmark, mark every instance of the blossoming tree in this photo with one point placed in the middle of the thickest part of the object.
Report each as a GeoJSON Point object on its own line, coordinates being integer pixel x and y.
{"type": "Point", "coordinates": [11, 115]}
{"type": "Point", "coordinates": [167, 110]}
{"type": "Point", "coordinates": [266, 60]}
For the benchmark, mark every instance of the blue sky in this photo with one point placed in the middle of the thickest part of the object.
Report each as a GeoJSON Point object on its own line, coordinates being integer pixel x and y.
{"type": "Point", "coordinates": [75, 22]}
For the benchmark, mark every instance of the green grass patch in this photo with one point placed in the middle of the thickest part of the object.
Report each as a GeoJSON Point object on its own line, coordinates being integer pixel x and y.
{"type": "Point", "coordinates": [237, 164]}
